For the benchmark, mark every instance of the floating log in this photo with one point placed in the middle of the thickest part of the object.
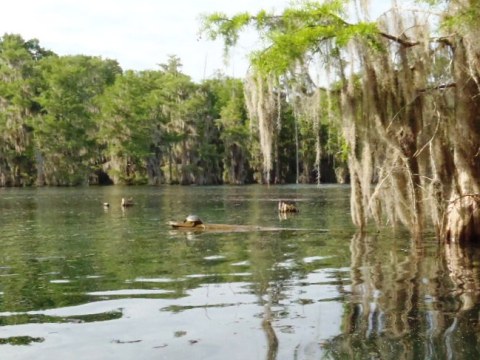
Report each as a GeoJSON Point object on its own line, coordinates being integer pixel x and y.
{"type": "Point", "coordinates": [188, 226]}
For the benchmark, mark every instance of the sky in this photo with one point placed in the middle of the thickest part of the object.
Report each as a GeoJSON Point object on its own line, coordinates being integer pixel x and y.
{"type": "Point", "coordinates": [139, 34]}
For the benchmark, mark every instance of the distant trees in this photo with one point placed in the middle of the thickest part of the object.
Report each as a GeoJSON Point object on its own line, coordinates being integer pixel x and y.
{"type": "Point", "coordinates": [72, 120]}
{"type": "Point", "coordinates": [19, 82]}
{"type": "Point", "coordinates": [65, 132]}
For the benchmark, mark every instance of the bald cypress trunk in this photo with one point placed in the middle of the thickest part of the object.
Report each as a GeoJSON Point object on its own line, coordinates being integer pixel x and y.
{"type": "Point", "coordinates": [409, 99]}
{"type": "Point", "coordinates": [414, 138]}
{"type": "Point", "coordinates": [462, 218]}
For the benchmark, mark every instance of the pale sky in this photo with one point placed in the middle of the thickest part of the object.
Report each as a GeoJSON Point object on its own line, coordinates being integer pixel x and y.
{"type": "Point", "coordinates": [139, 34]}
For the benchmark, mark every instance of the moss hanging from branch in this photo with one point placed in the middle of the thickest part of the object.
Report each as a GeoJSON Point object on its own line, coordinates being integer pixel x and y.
{"type": "Point", "coordinates": [262, 107]}
{"type": "Point", "coordinates": [410, 106]}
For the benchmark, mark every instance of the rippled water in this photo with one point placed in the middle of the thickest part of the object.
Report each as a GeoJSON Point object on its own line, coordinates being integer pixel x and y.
{"type": "Point", "coordinates": [78, 280]}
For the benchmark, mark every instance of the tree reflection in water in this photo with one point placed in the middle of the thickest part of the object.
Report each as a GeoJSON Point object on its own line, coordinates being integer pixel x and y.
{"type": "Point", "coordinates": [272, 340]}
{"type": "Point", "coordinates": [268, 292]}
{"type": "Point", "coordinates": [407, 305]}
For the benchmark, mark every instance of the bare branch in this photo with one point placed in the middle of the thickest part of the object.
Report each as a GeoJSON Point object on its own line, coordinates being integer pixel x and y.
{"type": "Point", "coordinates": [399, 40]}
{"type": "Point", "coordinates": [439, 87]}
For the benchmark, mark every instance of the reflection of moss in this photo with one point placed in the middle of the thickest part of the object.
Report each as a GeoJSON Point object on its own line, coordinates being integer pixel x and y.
{"type": "Point", "coordinates": [40, 319]}
{"type": "Point", "coordinates": [20, 340]}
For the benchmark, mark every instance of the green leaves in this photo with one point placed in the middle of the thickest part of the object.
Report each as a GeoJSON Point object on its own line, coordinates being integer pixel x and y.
{"type": "Point", "coordinates": [298, 32]}
{"type": "Point", "coordinates": [219, 24]}
{"type": "Point", "coordinates": [65, 132]}
{"type": "Point", "coordinates": [18, 88]}
{"type": "Point", "coordinates": [66, 119]}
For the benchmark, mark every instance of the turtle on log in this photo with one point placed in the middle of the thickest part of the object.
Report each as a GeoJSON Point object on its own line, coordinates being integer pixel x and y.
{"type": "Point", "coordinates": [193, 220]}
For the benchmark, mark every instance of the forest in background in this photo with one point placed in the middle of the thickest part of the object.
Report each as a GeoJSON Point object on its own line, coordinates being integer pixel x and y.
{"type": "Point", "coordinates": [76, 120]}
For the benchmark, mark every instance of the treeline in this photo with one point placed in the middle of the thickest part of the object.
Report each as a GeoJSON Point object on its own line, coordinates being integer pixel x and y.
{"type": "Point", "coordinates": [72, 120]}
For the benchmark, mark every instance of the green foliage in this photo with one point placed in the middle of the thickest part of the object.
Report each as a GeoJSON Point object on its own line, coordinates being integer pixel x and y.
{"type": "Point", "coordinates": [65, 131]}
{"type": "Point", "coordinates": [232, 124]}
{"type": "Point", "coordinates": [69, 120]}
{"type": "Point", "coordinates": [123, 122]}
{"type": "Point", "coordinates": [465, 19]}
{"type": "Point", "coordinates": [298, 31]}
{"type": "Point", "coordinates": [219, 24]}
{"type": "Point", "coordinates": [19, 85]}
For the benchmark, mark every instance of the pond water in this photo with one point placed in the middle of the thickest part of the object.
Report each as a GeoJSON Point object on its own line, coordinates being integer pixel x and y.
{"type": "Point", "coordinates": [81, 281]}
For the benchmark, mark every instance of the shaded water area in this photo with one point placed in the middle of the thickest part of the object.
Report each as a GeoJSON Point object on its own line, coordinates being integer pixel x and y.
{"type": "Point", "coordinates": [79, 281]}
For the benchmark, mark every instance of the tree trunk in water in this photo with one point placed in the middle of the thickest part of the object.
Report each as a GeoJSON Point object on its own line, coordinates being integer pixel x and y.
{"type": "Point", "coordinates": [462, 220]}
{"type": "Point", "coordinates": [416, 142]}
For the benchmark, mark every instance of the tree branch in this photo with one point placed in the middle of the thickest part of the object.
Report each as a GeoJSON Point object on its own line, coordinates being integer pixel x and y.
{"type": "Point", "coordinates": [399, 40]}
{"type": "Point", "coordinates": [439, 87]}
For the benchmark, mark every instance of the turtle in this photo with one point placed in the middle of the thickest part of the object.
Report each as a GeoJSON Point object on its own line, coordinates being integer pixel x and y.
{"type": "Point", "coordinates": [192, 219]}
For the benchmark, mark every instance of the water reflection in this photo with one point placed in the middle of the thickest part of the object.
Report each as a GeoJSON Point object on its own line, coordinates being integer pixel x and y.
{"type": "Point", "coordinates": [464, 270]}
{"type": "Point", "coordinates": [121, 283]}
{"type": "Point", "coordinates": [20, 340]}
{"type": "Point", "coordinates": [403, 305]}
{"type": "Point", "coordinates": [267, 291]}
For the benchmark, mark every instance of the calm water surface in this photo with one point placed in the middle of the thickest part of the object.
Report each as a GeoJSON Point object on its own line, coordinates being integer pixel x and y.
{"type": "Point", "coordinates": [79, 281]}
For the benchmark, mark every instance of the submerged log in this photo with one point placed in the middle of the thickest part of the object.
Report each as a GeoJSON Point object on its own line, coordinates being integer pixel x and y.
{"type": "Point", "coordinates": [188, 226]}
